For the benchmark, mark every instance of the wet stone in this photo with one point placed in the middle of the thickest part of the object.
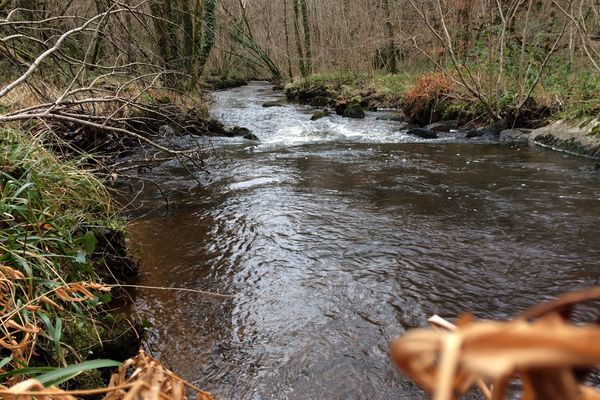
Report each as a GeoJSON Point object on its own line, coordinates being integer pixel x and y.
{"type": "Point", "coordinates": [422, 133]}
{"type": "Point", "coordinates": [251, 136]}
{"type": "Point", "coordinates": [320, 114]}
{"type": "Point", "coordinates": [275, 103]}
{"type": "Point", "coordinates": [395, 117]}
{"type": "Point", "coordinates": [354, 111]}
{"type": "Point", "coordinates": [320, 101]}
{"type": "Point", "coordinates": [239, 131]}
{"type": "Point", "coordinates": [442, 126]}
{"type": "Point", "coordinates": [515, 135]}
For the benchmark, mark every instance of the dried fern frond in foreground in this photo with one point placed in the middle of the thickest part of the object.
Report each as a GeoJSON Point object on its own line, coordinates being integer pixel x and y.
{"type": "Point", "coordinates": [141, 377]}
{"type": "Point", "coordinates": [541, 347]}
{"type": "Point", "coordinates": [146, 378]}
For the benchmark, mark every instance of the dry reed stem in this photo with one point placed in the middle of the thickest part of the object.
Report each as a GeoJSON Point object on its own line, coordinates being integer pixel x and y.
{"type": "Point", "coordinates": [543, 353]}
{"type": "Point", "coordinates": [141, 377]}
{"type": "Point", "coordinates": [20, 336]}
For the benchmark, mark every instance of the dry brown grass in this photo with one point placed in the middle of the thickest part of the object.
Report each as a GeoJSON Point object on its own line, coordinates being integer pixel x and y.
{"type": "Point", "coordinates": [541, 347]}
{"type": "Point", "coordinates": [25, 96]}
{"type": "Point", "coordinates": [115, 98]}
{"type": "Point", "coordinates": [141, 377]}
{"type": "Point", "coordinates": [429, 90]}
{"type": "Point", "coordinates": [20, 332]}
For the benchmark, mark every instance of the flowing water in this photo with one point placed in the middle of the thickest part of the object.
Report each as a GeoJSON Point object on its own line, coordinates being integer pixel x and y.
{"type": "Point", "coordinates": [332, 237]}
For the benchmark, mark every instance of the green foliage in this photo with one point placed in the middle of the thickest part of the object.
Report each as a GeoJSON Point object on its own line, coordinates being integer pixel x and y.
{"type": "Point", "coordinates": [61, 375]}
{"type": "Point", "coordinates": [580, 92]}
{"type": "Point", "coordinates": [209, 20]}
{"type": "Point", "coordinates": [388, 88]}
{"type": "Point", "coordinates": [332, 80]}
{"type": "Point", "coordinates": [49, 376]}
{"type": "Point", "coordinates": [394, 84]}
{"type": "Point", "coordinates": [48, 211]}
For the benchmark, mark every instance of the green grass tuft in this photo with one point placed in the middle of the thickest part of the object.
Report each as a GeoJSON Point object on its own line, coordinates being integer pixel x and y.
{"type": "Point", "coordinates": [49, 209]}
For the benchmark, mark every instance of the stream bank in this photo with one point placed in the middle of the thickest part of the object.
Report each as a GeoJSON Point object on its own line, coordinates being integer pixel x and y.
{"type": "Point", "coordinates": [578, 137]}
{"type": "Point", "coordinates": [61, 244]}
{"type": "Point", "coordinates": [431, 103]}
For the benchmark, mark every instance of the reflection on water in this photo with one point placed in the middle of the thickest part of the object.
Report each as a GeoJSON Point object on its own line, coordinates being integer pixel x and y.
{"type": "Point", "coordinates": [332, 237]}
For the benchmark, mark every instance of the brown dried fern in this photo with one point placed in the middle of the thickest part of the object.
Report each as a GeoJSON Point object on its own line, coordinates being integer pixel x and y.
{"type": "Point", "coordinates": [541, 347]}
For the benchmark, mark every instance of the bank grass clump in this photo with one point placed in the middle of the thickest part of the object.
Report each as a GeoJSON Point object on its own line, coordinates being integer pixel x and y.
{"type": "Point", "coordinates": [50, 210]}
{"type": "Point", "coordinates": [329, 85]}
{"type": "Point", "coordinates": [377, 88]}
{"type": "Point", "coordinates": [579, 95]}
{"type": "Point", "coordinates": [426, 95]}
{"type": "Point", "coordinates": [423, 96]}
{"type": "Point", "coordinates": [435, 96]}
{"type": "Point", "coordinates": [393, 87]}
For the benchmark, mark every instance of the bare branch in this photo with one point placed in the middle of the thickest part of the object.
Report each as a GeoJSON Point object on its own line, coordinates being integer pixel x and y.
{"type": "Point", "coordinates": [51, 50]}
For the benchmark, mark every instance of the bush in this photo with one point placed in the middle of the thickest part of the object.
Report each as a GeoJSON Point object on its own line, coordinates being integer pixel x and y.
{"type": "Point", "coordinates": [426, 100]}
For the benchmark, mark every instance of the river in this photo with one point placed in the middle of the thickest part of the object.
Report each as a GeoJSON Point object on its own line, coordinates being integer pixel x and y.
{"type": "Point", "coordinates": [332, 237]}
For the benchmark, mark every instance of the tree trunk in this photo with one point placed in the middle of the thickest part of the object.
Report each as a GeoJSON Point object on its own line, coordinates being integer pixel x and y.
{"type": "Point", "coordinates": [159, 30]}
{"type": "Point", "coordinates": [198, 26]}
{"type": "Point", "coordinates": [174, 53]}
{"type": "Point", "coordinates": [307, 40]}
{"type": "Point", "coordinates": [391, 64]}
{"type": "Point", "coordinates": [301, 65]}
{"type": "Point", "coordinates": [98, 38]}
{"type": "Point", "coordinates": [187, 18]}
{"type": "Point", "coordinates": [287, 40]}
{"type": "Point", "coordinates": [209, 22]}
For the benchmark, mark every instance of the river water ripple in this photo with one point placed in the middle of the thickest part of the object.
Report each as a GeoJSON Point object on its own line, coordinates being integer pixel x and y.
{"type": "Point", "coordinates": [336, 235]}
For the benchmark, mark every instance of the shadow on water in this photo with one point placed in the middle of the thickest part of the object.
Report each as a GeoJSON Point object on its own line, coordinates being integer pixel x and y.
{"type": "Point", "coordinates": [332, 237]}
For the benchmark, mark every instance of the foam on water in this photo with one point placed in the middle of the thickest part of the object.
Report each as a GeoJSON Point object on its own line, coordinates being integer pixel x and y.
{"type": "Point", "coordinates": [291, 125]}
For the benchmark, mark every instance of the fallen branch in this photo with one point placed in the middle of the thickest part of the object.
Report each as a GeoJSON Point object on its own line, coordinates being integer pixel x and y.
{"type": "Point", "coordinates": [102, 127]}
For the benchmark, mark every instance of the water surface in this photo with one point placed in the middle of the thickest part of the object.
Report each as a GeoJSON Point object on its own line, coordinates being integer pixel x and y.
{"type": "Point", "coordinates": [334, 236]}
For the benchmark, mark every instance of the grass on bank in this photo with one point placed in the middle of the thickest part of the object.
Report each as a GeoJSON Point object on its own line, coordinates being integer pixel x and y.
{"type": "Point", "coordinates": [49, 290]}
{"type": "Point", "coordinates": [388, 88]}
{"type": "Point", "coordinates": [560, 92]}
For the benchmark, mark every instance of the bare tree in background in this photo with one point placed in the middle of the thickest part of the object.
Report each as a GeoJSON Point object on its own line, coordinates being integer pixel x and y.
{"type": "Point", "coordinates": [299, 50]}
{"type": "Point", "coordinates": [529, 56]}
{"type": "Point", "coordinates": [307, 37]}
{"type": "Point", "coordinates": [391, 64]}
{"type": "Point", "coordinates": [103, 68]}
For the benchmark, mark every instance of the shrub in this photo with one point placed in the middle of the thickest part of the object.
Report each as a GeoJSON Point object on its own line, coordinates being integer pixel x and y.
{"type": "Point", "coordinates": [424, 102]}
